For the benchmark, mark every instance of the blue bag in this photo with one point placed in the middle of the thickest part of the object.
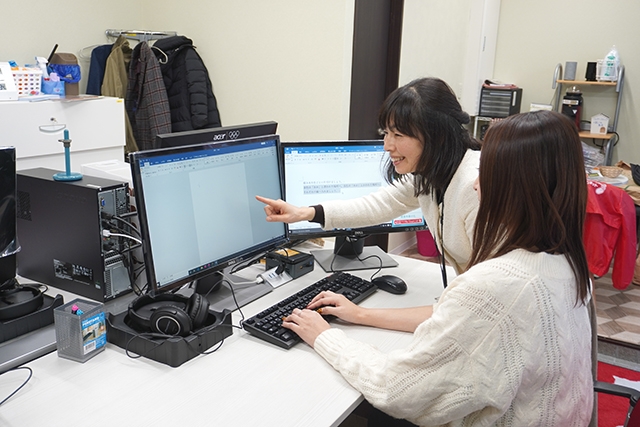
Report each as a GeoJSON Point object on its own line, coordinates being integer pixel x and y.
{"type": "Point", "coordinates": [69, 73]}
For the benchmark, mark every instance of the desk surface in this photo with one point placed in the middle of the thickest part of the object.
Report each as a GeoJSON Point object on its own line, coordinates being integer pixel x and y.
{"type": "Point", "coordinates": [246, 382]}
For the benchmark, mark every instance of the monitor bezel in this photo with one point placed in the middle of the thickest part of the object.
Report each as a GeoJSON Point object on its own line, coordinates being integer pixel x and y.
{"type": "Point", "coordinates": [359, 232]}
{"type": "Point", "coordinates": [231, 260]}
{"type": "Point", "coordinates": [217, 134]}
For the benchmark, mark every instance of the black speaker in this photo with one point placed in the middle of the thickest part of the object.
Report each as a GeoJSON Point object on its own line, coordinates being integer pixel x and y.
{"type": "Point", "coordinates": [168, 314]}
{"type": "Point", "coordinates": [17, 300]}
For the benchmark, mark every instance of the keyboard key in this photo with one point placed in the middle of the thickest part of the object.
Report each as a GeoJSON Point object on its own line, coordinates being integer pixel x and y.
{"type": "Point", "coordinates": [267, 324]}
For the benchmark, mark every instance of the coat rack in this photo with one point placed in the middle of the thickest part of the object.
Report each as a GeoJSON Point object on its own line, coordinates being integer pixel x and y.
{"type": "Point", "coordinates": [140, 35]}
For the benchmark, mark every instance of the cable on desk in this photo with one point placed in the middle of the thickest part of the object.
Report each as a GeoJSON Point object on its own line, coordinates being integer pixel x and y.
{"type": "Point", "coordinates": [22, 385]}
{"type": "Point", "coordinates": [357, 257]}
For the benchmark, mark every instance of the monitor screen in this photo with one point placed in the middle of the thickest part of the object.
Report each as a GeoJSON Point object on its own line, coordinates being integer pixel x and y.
{"type": "Point", "coordinates": [219, 134]}
{"type": "Point", "coordinates": [197, 208]}
{"type": "Point", "coordinates": [315, 172]}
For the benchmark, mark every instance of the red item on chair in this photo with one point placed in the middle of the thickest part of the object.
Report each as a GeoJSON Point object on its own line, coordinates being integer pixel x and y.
{"type": "Point", "coordinates": [610, 232]}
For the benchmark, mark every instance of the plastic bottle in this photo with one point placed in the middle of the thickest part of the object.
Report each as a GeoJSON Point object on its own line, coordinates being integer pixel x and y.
{"type": "Point", "coordinates": [610, 65]}
{"type": "Point", "coordinates": [42, 64]}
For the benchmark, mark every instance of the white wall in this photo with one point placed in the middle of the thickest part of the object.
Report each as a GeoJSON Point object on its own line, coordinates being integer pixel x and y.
{"type": "Point", "coordinates": [534, 36]}
{"type": "Point", "coordinates": [282, 60]}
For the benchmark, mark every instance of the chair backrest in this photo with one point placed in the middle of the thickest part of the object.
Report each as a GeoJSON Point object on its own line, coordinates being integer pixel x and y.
{"type": "Point", "coordinates": [633, 413]}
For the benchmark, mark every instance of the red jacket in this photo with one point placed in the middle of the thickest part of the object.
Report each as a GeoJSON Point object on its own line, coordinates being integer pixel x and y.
{"type": "Point", "coordinates": [610, 232]}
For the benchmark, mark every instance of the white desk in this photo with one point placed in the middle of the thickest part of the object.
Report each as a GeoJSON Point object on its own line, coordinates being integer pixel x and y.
{"type": "Point", "coordinates": [247, 382]}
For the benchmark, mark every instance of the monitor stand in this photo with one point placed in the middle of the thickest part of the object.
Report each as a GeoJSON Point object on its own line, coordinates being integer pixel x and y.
{"type": "Point", "coordinates": [218, 291]}
{"type": "Point", "coordinates": [349, 253]}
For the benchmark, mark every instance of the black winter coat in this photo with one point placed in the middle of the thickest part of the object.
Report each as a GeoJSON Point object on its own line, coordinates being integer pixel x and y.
{"type": "Point", "coordinates": [189, 89]}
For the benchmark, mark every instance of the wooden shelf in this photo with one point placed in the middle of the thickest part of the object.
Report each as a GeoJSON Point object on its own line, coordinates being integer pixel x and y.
{"type": "Point", "coordinates": [585, 134]}
{"type": "Point", "coordinates": [584, 82]}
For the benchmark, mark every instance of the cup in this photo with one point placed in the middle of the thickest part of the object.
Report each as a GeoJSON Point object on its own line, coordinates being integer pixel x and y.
{"type": "Point", "coordinates": [570, 70]}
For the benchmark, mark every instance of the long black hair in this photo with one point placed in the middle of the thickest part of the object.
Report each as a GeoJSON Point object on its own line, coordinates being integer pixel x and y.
{"type": "Point", "coordinates": [427, 109]}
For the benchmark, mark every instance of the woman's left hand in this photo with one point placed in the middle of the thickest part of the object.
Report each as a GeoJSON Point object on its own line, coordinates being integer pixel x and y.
{"type": "Point", "coordinates": [308, 324]}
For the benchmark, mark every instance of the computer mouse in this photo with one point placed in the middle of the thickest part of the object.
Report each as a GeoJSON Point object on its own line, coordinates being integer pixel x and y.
{"type": "Point", "coordinates": [392, 284]}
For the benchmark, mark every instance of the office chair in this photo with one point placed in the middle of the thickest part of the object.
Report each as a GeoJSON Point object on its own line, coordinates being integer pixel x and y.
{"type": "Point", "coordinates": [633, 414]}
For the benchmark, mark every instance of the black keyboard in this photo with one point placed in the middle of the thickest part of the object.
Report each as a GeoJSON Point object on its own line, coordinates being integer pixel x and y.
{"type": "Point", "coordinates": [267, 325]}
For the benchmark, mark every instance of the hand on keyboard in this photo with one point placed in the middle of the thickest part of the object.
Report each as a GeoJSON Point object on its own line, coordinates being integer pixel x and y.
{"type": "Point", "coordinates": [307, 324]}
{"type": "Point", "coordinates": [267, 325]}
{"type": "Point", "coordinates": [331, 304]}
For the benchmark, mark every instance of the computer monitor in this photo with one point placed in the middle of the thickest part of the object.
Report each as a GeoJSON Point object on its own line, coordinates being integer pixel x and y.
{"type": "Point", "coordinates": [8, 246]}
{"type": "Point", "coordinates": [198, 213]}
{"type": "Point", "coordinates": [219, 134]}
{"type": "Point", "coordinates": [315, 172]}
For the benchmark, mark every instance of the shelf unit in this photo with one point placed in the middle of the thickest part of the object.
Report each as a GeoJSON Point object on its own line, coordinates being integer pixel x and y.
{"type": "Point", "coordinates": [610, 138]}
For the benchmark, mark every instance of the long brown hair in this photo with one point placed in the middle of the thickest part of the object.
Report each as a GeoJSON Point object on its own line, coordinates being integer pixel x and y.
{"type": "Point", "coordinates": [427, 109]}
{"type": "Point", "coordinates": [533, 191]}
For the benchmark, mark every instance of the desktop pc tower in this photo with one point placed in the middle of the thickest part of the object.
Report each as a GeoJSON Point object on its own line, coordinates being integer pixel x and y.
{"type": "Point", "coordinates": [60, 230]}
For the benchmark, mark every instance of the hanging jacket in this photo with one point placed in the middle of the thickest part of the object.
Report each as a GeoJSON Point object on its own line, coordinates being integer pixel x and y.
{"type": "Point", "coordinates": [191, 99]}
{"type": "Point", "coordinates": [610, 232]}
{"type": "Point", "coordinates": [146, 100]}
{"type": "Point", "coordinates": [115, 83]}
{"type": "Point", "coordinates": [97, 66]}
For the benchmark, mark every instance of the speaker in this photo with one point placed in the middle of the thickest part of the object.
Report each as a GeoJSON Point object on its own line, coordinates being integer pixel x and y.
{"type": "Point", "coordinates": [17, 300]}
{"type": "Point", "coordinates": [168, 314]}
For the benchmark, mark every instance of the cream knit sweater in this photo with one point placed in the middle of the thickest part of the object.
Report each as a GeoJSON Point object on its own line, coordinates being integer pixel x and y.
{"type": "Point", "coordinates": [460, 209]}
{"type": "Point", "coordinates": [507, 345]}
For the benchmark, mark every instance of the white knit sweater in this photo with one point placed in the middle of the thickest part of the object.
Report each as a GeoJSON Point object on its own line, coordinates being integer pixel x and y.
{"type": "Point", "coordinates": [460, 209]}
{"type": "Point", "coordinates": [507, 345]}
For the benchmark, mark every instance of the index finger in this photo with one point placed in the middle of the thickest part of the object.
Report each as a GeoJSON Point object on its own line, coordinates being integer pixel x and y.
{"type": "Point", "coordinates": [265, 200]}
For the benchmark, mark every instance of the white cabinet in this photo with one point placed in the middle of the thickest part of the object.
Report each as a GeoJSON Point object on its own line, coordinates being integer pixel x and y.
{"type": "Point", "coordinates": [96, 129]}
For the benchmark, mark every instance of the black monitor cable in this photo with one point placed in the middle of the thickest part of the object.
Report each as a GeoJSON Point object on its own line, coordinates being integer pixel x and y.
{"type": "Point", "coordinates": [122, 221]}
{"type": "Point", "coordinates": [357, 257]}
{"type": "Point", "coordinates": [22, 385]}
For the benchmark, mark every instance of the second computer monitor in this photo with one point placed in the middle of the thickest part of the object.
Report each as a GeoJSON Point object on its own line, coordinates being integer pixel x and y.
{"type": "Point", "coordinates": [316, 172]}
{"type": "Point", "coordinates": [219, 134]}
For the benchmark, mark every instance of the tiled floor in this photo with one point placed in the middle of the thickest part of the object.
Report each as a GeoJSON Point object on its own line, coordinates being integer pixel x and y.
{"type": "Point", "coordinates": [618, 314]}
{"type": "Point", "coordinates": [618, 311]}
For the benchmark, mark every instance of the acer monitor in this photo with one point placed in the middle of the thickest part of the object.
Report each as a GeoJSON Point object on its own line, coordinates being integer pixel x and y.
{"type": "Point", "coordinates": [219, 134]}
{"type": "Point", "coordinates": [198, 213]}
{"type": "Point", "coordinates": [315, 172]}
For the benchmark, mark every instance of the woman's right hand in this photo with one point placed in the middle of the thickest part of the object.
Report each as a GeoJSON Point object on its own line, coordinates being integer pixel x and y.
{"type": "Point", "coordinates": [281, 211]}
{"type": "Point", "coordinates": [329, 303]}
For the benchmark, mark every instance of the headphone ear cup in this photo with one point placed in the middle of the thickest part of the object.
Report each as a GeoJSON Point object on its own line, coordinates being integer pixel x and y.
{"type": "Point", "coordinates": [170, 320]}
{"type": "Point", "coordinates": [280, 268]}
{"type": "Point", "coordinates": [19, 301]}
{"type": "Point", "coordinates": [198, 310]}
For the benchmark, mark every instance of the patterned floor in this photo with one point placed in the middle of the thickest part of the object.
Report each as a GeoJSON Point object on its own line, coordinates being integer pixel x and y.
{"type": "Point", "coordinates": [618, 311]}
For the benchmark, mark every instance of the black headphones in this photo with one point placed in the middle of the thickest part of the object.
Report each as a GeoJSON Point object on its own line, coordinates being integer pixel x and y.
{"type": "Point", "coordinates": [18, 300]}
{"type": "Point", "coordinates": [168, 314]}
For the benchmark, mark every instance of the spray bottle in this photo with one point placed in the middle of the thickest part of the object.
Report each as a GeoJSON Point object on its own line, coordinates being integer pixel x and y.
{"type": "Point", "coordinates": [42, 64]}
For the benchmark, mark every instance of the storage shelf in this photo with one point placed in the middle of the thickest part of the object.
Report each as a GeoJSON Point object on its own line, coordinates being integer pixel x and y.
{"type": "Point", "coordinates": [611, 137]}
{"type": "Point", "coordinates": [585, 82]}
{"type": "Point", "coordinates": [585, 134]}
